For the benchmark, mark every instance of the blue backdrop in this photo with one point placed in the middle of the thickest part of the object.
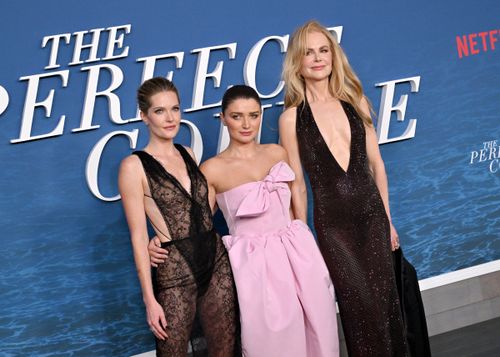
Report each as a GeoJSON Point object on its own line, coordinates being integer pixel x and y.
{"type": "Point", "coordinates": [67, 278]}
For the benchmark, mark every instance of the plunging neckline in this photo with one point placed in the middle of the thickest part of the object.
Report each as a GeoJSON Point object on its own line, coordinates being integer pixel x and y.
{"type": "Point", "coordinates": [345, 171]}
{"type": "Point", "coordinates": [172, 177]}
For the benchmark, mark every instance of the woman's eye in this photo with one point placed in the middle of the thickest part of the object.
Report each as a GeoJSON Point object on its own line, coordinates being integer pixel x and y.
{"type": "Point", "coordinates": [176, 109]}
{"type": "Point", "coordinates": [235, 117]}
{"type": "Point", "coordinates": [158, 111]}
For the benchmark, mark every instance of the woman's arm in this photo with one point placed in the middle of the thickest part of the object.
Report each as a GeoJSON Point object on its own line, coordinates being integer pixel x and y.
{"type": "Point", "coordinates": [377, 169]}
{"type": "Point", "coordinates": [288, 139]}
{"type": "Point", "coordinates": [130, 183]}
{"type": "Point", "coordinates": [208, 170]}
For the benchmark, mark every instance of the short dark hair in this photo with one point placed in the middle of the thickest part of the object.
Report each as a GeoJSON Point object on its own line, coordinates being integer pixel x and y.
{"type": "Point", "coordinates": [237, 92]}
{"type": "Point", "coordinates": [151, 87]}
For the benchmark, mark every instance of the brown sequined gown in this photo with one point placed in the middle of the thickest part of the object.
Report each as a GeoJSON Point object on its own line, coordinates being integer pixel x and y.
{"type": "Point", "coordinates": [354, 237]}
{"type": "Point", "coordinates": [195, 282]}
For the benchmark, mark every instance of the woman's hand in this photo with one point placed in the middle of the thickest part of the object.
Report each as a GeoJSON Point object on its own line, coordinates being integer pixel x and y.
{"type": "Point", "coordinates": [394, 238]}
{"type": "Point", "coordinates": [157, 255]}
{"type": "Point", "coordinates": [156, 319]}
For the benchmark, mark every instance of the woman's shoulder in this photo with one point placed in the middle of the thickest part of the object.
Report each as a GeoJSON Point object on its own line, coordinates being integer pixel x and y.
{"type": "Point", "coordinates": [275, 151]}
{"type": "Point", "coordinates": [131, 161]}
{"type": "Point", "coordinates": [130, 168]}
{"type": "Point", "coordinates": [289, 114]}
{"type": "Point", "coordinates": [211, 166]}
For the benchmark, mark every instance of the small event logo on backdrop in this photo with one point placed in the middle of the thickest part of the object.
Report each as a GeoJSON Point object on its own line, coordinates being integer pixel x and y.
{"type": "Point", "coordinates": [487, 155]}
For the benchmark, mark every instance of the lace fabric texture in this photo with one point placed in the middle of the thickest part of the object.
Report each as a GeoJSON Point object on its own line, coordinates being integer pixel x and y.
{"type": "Point", "coordinates": [195, 285]}
{"type": "Point", "coordinates": [354, 238]}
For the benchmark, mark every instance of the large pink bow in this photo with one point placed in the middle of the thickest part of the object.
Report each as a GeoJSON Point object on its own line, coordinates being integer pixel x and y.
{"type": "Point", "coordinates": [257, 200]}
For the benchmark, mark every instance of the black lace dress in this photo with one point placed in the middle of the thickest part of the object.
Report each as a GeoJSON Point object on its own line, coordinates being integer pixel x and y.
{"type": "Point", "coordinates": [354, 237]}
{"type": "Point", "coordinates": [195, 283]}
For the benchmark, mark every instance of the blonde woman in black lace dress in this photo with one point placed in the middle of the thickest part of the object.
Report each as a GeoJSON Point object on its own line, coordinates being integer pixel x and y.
{"type": "Point", "coordinates": [162, 183]}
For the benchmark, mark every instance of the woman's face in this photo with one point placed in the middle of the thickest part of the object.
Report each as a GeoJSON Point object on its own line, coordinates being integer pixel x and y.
{"type": "Point", "coordinates": [317, 62]}
{"type": "Point", "coordinates": [164, 115]}
{"type": "Point", "coordinates": [242, 118]}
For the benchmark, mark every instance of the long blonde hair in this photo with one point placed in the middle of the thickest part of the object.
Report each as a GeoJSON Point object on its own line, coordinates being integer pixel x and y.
{"type": "Point", "coordinates": [343, 82]}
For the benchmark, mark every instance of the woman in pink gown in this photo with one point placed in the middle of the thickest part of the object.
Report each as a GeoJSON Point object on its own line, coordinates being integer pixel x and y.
{"type": "Point", "coordinates": [285, 294]}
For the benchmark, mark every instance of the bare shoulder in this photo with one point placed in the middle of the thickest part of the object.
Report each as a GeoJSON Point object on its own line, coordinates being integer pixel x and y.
{"type": "Point", "coordinates": [130, 173]}
{"type": "Point", "coordinates": [364, 106]}
{"type": "Point", "coordinates": [131, 163]}
{"type": "Point", "coordinates": [288, 116]}
{"type": "Point", "coordinates": [276, 151]}
{"type": "Point", "coordinates": [286, 123]}
{"type": "Point", "coordinates": [211, 166]}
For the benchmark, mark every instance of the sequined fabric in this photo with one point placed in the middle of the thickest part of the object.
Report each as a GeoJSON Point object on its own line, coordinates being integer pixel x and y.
{"type": "Point", "coordinates": [354, 237]}
{"type": "Point", "coordinates": [195, 283]}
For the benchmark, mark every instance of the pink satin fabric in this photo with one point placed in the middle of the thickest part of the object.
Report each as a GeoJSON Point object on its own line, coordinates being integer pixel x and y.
{"type": "Point", "coordinates": [285, 294]}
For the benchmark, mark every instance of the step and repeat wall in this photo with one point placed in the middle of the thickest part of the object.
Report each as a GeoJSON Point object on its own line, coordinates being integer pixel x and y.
{"type": "Point", "coordinates": [69, 72]}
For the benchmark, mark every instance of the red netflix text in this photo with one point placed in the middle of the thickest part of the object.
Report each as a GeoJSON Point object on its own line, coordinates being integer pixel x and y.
{"type": "Point", "coordinates": [475, 43]}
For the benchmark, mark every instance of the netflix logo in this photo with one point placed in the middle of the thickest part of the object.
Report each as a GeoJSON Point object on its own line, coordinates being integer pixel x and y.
{"type": "Point", "coordinates": [474, 43]}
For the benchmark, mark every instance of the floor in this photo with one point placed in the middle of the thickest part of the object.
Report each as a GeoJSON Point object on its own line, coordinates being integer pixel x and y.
{"type": "Point", "coordinates": [480, 340]}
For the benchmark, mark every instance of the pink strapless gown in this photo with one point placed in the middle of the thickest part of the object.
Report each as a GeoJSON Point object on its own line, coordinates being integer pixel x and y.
{"type": "Point", "coordinates": [285, 294]}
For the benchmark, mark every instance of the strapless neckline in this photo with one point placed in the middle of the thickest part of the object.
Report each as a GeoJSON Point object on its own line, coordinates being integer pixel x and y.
{"type": "Point", "coordinates": [235, 188]}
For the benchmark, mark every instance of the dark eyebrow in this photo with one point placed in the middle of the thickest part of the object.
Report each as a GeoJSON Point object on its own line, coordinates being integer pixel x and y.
{"type": "Point", "coordinates": [240, 113]}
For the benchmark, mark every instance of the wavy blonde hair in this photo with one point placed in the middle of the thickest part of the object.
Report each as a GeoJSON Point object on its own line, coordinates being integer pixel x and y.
{"type": "Point", "coordinates": [344, 84]}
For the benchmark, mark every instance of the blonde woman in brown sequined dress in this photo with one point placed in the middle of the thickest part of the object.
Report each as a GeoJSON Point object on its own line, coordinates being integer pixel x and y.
{"type": "Point", "coordinates": [329, 136]}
